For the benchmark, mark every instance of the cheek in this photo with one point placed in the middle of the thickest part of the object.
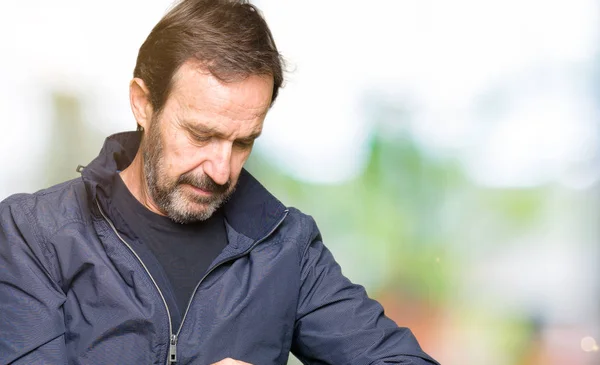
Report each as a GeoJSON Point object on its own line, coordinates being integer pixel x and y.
{"type": "Point", "coordinates": [180, 156]}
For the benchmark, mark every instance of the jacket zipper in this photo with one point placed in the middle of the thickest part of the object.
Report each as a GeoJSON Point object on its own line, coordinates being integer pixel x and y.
{"type": "Point", "coordinates": [173, 350]}
{"type": "Point", "coordinates": [172, 356]}
{"type": "Point", "coordinates": [172, 337]}
{"type": "Point", "coordinates": [175, 337]}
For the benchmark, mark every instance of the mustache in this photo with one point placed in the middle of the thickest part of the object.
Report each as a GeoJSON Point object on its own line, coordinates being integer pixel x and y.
{"type": "Point", "coordinates": [204, 182]}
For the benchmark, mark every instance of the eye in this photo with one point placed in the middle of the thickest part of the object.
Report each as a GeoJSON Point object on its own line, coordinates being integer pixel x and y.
{"type": "Point", "coordinates": [200, 138]}
{"type": "Point", "coordinates": [244, 144]}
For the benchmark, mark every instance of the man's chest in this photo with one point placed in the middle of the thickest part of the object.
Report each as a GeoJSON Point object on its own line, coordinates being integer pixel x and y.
{"type": "Point", "coordinates": [244, 308]}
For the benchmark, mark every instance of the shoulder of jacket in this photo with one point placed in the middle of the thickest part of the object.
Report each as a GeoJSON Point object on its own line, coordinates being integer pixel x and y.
{"type": "Point", "coordinates": [301, 227]}
{"type": "Point", "coordinates": [298, 216]}
{"type": "Point", "coordinates": [52, 208]}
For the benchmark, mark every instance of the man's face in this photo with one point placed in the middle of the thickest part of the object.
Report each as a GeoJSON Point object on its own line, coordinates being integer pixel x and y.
{"type": "Point", "coordinates": [196, 147]}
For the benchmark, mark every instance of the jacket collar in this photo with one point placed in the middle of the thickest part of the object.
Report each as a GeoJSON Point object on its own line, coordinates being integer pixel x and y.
{"type": "Point", "coordinates": [251, 210]}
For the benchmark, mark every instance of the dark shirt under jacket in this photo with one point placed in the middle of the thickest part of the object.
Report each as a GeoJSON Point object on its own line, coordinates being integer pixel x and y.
{"type": "Point", "coordinates": [184, 251]}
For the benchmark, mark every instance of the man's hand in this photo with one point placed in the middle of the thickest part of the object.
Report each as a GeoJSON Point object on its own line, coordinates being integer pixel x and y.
{"type": "Point", "coordinates": [229, 361]}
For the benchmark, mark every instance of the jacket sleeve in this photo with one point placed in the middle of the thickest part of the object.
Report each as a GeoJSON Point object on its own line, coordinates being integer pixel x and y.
{"type": "Point", "coordinates": [337, 323]}
{"type": "Point", "coordinates": [31, 316]}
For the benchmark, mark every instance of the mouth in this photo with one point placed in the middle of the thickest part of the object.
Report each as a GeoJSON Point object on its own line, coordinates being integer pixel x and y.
{"type": "Point", "coordinates": [199, 191]}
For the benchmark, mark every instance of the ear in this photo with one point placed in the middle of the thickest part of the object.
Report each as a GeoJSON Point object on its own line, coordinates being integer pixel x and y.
{"type": "Point", "coordinates": [139, 98]}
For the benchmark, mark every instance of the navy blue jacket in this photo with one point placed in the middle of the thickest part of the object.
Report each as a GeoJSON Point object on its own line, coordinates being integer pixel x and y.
{"type": "Point", "coordinates": [74, 290]}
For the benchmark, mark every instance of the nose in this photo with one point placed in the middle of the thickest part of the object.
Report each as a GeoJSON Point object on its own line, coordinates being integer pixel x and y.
{"type": "Point", "coordinates": [218, 165]}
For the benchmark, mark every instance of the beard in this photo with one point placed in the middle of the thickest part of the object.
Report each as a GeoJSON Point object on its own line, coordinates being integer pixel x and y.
{"type": "Point", "coordinates": [169, 194]}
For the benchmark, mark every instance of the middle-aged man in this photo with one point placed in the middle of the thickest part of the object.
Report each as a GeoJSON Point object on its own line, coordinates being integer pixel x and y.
{"type": "Point", "coordinates": [166, 250]}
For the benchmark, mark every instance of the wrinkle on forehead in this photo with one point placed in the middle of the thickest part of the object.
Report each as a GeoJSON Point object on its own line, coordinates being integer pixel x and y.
{"type": "Point", "coordinates": [196, 89]}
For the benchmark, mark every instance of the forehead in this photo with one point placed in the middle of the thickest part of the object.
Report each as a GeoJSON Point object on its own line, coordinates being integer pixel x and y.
{"type": "Point", "coordinates": [195, 90]}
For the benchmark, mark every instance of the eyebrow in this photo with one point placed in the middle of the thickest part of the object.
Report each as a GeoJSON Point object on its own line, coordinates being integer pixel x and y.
{"type": "Point", "coordinates": [201, 129]}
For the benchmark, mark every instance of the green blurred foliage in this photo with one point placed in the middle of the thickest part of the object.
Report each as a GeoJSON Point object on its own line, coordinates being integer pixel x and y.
{"type": "Point", "coordinates": [405, 223]}
{"type": "Point", "coordinates": [390, 215]}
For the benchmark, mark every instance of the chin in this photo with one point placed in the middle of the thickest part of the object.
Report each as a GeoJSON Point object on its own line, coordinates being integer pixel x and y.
{"type": "Point", "coordinates": [185, 210]}
{"type": "Point", "coordinates": [190, 217]}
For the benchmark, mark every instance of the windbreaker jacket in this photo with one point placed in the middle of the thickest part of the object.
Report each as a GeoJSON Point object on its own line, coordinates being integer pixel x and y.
{"type": "Point", "coordinates": [74, 289]}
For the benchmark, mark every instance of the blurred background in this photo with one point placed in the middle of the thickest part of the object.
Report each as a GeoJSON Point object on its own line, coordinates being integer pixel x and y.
{"type": "Point", "coordinates": [449, 150]}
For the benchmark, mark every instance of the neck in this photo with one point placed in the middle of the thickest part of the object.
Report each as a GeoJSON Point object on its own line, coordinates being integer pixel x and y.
{"type": "Point", "coordinates": [133, 177]}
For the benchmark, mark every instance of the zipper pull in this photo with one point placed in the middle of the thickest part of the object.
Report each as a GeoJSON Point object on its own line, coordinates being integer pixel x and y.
{"type": "Point", "coordinates": [173, 350]}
